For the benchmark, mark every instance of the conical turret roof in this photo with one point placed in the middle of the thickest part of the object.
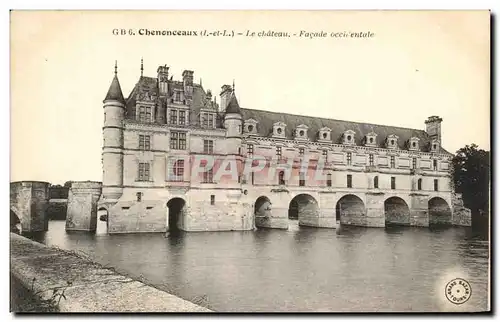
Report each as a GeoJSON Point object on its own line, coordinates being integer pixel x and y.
{"type": "Point", "coordinates": [115, 91]}
{"type": "Point", "coordinates": [233, 106]}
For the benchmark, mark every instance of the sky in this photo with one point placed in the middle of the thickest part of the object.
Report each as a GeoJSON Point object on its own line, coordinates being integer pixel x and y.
{"type": "Point", "coordinates": [416, 65]}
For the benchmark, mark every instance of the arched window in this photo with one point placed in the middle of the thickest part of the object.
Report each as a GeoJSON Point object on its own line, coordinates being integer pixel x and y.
{"type": "Point", "coordinates": [329, 180]}
{"type": "Point", "coordinates": [375, 182]}
{"type": "Point", "coordinates": [419, 184]}
{"type": "Point", "coordinates": [281, 177]}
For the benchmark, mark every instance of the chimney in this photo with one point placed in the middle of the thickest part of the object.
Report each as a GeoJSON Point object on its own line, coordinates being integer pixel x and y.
{"type": "Point", "coordinates": [187, 79]}
{"type": "Point", "coordinates": [225, 95]}
{"type": "Point", "coordinates": [433, 127]}
{"type": "Point", "coordinates": [162, 80]}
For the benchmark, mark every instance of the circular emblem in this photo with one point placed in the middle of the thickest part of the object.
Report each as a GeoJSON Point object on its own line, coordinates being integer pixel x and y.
{"type": "Point", "coordinates": [458, 291]}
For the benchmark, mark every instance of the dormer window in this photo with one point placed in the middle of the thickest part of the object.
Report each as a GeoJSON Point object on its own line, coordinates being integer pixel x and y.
{"type": "Point", "coordinates": [279, 129]}
{"type": "Point", "coordinates": [434, 146]}
{"type": "Point", "coordinates": [392, 141]}
{"type": "Point", "coordinates": [348, 137]}
{"type": "Point", "coordinates": [301, 132]}
{"type": "Point", "coordinates": [371, 139]}
{"type": "Point", "coordinates": [324, 134]}
{"type": "Point", "coordinates": [250, 126]}
{"type": "Point", "coordinates": [413, 144]}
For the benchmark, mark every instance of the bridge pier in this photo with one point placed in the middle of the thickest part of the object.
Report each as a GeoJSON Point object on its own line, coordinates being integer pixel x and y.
{"type": "Point", "coordinates": [29, 202]}
{"type": "Point", "coordinates": [82, 206]}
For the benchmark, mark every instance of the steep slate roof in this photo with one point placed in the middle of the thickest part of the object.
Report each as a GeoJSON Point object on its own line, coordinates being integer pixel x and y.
{"type": "Point", "coordinates": [150, 85]}
{"type": "Point", "coordinates": [145, 84]}
{"type": "Point", "coordinates": [266, 120]}
{"type": "Point", "coordinates": [233, 106]}
{"type": "Point", "coordinates": [115, 91]}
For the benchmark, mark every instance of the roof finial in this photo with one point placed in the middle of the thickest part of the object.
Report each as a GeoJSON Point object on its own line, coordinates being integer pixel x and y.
{"type": "Point", "coordinates": [116, 67]}
{"type": "Point", "coordinates": [233, 85]}
{"type": "Point", "coordinates": [142, 67]}
{"type": "Point", "coordinates": [201, 83]}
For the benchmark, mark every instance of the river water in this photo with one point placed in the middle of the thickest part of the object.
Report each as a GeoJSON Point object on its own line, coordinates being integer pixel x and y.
{"type": "Point", "coordinates": [351, 269]}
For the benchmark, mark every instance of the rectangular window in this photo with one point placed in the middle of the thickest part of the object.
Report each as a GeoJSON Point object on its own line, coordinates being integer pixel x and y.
{"type": "Point", "coordinates": [173, 116]}
{"type": "Point", "coordinates": [435, 164]}
{"type": "Point", "coordinates": [393, 161]}
{"type": "Point", "coordinates": [144, 142]}
{"type": "Point", "coordinates": [349, 158]}
{"type": "Point", "coordinates": [278, 152]}
{"type": "Point", "coordinates": [329, 180]}
{"type": "Point", "coordinates": [212, 200]}
{"type": "Point", "coordinates": [250, 150]}
{"type": "Point", "coordinates": [177, 96]}
{"type": "Point", "coordinates": [139, 196]}
{"type": "Point", "coordinates": [301, 152]}
{"type": "Point", "coordinates": [325, 155]}
{"type": "Point", "coordinates": [174, 140]}
{"type": "Point", "coordinates": [182, 117]}
{"type": "Point", "coordinates": [178, 140]}
{"type": "Point", "coordinates": [253, 178]}
{"type": "Point", "coordinates": [145, 114]}
{"type": "Point", "coordinates": [178, 170]}
{"type": "Point", "coordinates": [208, 146]}
{"type": "Point", "coordinates": [182, 141]}
{"type": "Point", "coordinates": [143, 172]}
{"type": "Point", "coordinates": [414, 163]}
{"type": "Point", "coordinates": [436, 187]}
{"type": "Point", "coordinates": [349, 181]}
{"type": "Point", "coordinates": [302, 179]}
{"type": "Point", "coordinates": [393, 182]}
{"type": "Point", "coordinates": [371, 159]}
{"type": "Point", "coordinates": [208, 176]}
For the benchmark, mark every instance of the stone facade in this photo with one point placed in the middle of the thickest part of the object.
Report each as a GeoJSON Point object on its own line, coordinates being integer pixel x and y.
{"type": "Point", "coordinates": [375, 175]}
{"type": "Point", "coordinates": [29, 202]}
{"type": "Point", "coordinates": [82, 205]}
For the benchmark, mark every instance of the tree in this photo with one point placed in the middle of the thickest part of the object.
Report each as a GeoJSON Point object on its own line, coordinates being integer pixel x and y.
{"type": "Point", "coordinates": [471, 175]}
{"type": "Point", "coordinates": [67, 184]}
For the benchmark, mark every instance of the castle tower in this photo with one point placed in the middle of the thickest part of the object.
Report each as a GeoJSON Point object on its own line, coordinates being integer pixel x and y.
{"type": "Point", "coordinates": [112, 152]}
{"type": "Point", "coordinates": [233, 124]}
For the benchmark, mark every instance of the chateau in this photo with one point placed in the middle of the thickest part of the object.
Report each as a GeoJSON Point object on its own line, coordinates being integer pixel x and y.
{"type": "Point", "coordinates": [375, 175]}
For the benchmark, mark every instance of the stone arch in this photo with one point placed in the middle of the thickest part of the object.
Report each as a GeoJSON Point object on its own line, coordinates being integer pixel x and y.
{"type": "Point", "coordinates": [176, 208]}
{"type": "Point", "coordinates": [304, 208]}
{"type": "Point", "coordinates": [350, 210]}
{"type": "Point", "coordinates": [439, 212]}
{"type": "Point", "coordinates": [103, 216]}
{"type": "Point", "coordinates": [262, 211]}
{"type": "Point", "coordinates": [396, 212]}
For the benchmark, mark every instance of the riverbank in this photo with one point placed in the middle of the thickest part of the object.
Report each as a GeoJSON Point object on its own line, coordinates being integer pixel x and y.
{"type": "Point", "coordinates": [46, 279]}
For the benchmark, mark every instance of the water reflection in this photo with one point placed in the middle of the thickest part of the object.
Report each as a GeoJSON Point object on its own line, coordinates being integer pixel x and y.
{"type": "Point", "coordinates": [301, 269]}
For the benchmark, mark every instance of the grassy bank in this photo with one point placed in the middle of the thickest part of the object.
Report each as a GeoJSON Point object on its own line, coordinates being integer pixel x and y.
{"type": "Point", "coordinates": [23, 300]}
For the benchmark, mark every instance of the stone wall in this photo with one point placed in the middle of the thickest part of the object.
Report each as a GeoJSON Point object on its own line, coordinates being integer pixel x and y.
{"type": "Point", "coordinates": [29, 201]}
{"type": "Point", "coordinates": [82, 205]}
{"type": "Point", "coordinates": [87, 286]}
{"type": "Point", "coordinates": [236, 209]}
{"type": "Point", "coordinates": [461, 215]}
